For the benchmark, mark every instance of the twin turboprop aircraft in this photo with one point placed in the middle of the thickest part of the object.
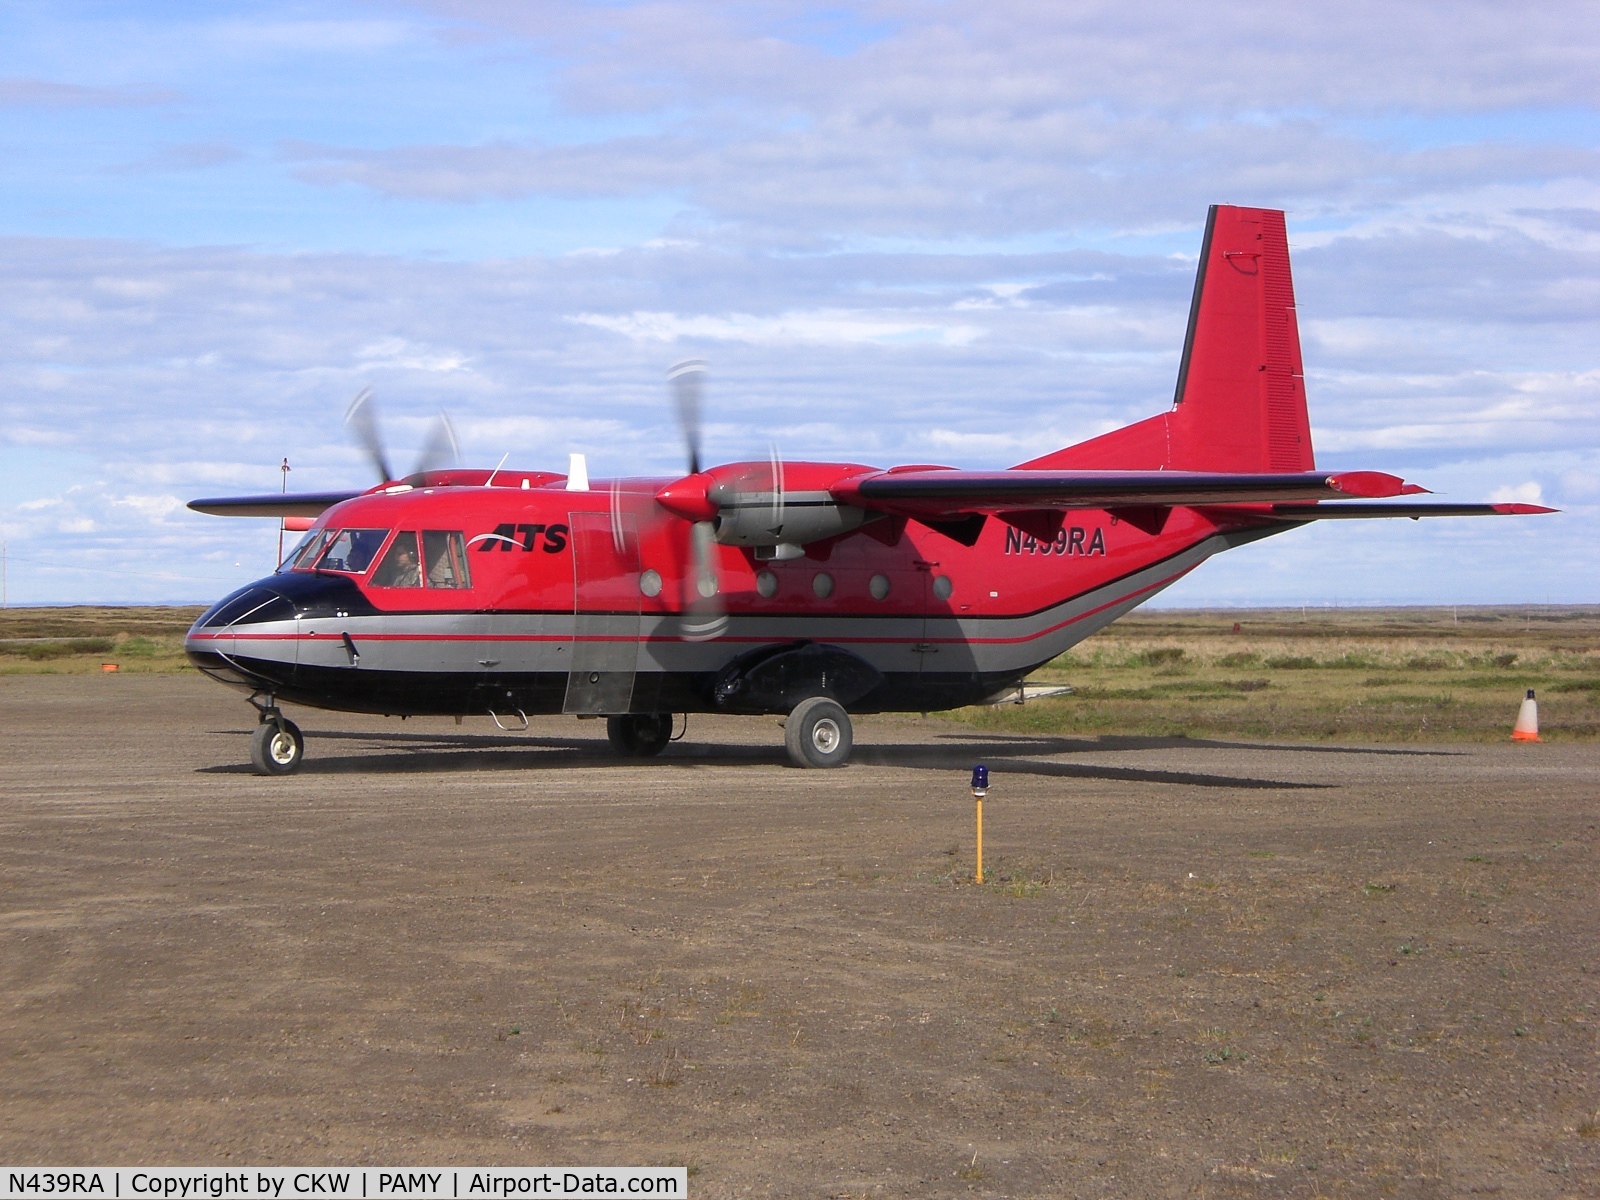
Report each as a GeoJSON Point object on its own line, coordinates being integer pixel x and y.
{"type": "Point", "coordinates": [809, 589]}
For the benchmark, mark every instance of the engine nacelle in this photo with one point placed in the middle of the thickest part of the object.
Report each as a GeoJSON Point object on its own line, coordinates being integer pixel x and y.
{"type": "Point", "coordinates": [770, 519]}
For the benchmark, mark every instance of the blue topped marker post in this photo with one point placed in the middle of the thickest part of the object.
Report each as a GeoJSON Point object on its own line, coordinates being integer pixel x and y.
{"type": "Point", "coordinates": [980, 789]}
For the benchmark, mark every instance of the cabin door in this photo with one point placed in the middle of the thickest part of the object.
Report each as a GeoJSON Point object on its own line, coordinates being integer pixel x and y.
{"type": "Point", "coordinates": [605, 629]}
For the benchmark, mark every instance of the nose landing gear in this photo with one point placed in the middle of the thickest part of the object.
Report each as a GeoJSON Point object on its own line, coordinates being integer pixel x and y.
{"type": "Point", "coordinates": [276, 747]}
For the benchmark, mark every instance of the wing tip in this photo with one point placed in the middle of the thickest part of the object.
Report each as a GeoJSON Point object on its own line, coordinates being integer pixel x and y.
{"type": "Point", "coordinates": [1522, 510]}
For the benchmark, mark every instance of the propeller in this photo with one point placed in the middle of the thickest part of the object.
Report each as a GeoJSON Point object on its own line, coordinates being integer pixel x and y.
{"type": "Point", "coordinates": [688, 383]}
{"type": "Point", "coordinates": [441, 449]}
{"type": "Point", "coordinates": [704, 615]}
{"type": "Point", "coordinates": [776, 459]}
{"type": "Point", "coordinates": [362, 420]}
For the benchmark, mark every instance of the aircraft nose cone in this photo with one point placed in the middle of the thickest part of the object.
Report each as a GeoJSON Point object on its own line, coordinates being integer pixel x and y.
{"type": "Point", "coordinates": [254, 604]}
{"type": "Point", "coordinates": [240, 639]}
{"type": "Point", "coordinates": [284, 597]}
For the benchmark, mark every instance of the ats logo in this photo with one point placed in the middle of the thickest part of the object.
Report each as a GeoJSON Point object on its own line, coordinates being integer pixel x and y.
{"type": "Point", "coordinates": [509, 537]}
{"type": "Point", "coordinates": [1067, 541]}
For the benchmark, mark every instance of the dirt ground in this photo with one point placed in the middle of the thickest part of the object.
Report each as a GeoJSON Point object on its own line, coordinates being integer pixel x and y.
{"type": "Point", "coordinates": [1198, 969]}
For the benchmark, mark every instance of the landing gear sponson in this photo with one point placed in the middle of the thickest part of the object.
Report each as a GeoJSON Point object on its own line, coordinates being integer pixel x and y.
{"type": "Point", "coordinates": [818, 733]}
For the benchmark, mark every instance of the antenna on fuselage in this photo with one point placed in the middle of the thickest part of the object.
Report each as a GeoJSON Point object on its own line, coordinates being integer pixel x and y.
{"type": "Point", "coordinates": [489, 481]}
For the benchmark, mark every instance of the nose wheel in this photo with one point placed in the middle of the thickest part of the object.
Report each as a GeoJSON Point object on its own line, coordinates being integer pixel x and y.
{"type": "Point", "coordinates": [818, 733]}
{"type": "Point", "coordinates": [276, 747]}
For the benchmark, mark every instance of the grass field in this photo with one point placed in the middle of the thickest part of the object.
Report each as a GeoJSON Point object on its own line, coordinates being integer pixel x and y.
{"type": "Point", "coordinates": [72, 640]}
{"type": "Point", "coordinates": [1400, 674]}
{"type": "Point", "coordinates": [1403, 674]}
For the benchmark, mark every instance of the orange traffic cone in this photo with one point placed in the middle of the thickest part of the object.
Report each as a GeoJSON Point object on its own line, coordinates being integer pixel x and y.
{"type": "Point", "coordinates": [1527, 727]}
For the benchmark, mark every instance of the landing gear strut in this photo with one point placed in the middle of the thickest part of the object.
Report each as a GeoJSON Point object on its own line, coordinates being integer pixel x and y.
{"type": "Point", "coordinates": [818, 733]}
{"type": "Point", "coordinates": [276, 747]}
{"type": "Point", "coordinates": [639, 735]}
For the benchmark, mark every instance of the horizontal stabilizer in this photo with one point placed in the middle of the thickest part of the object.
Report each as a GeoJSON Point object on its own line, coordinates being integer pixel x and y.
{"type": "Point", "coordinates": [272, 504]}
{"type": "Point", "coordinates": [948, 492]}
{"type": "Point", "coordinates": [1309, 512]}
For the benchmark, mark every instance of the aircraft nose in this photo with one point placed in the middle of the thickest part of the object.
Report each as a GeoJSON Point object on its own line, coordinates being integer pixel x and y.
{"type": "Point", "coordinates": [246, 639]}
{"type": "Point", "coordinates": [284, 597]}
{"type": "Point", "coordinates": [254, 604]}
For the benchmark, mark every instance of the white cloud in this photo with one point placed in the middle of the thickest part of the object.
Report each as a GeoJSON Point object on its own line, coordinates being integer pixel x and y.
{"type": "Point", "coordinates": [826, 327]}
{"type": "Point", "coordinates": [151, 508]}
{"type": "Point", "coordinates": [1520, 493]}
{"type": "Point", "coordinates": [397, 352]}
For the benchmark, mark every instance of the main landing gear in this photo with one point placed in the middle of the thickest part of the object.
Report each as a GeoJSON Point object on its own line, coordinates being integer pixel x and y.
{"type": "Point", "coordinates": [639, 735]}
{"type": "Point", "coordinates": [818, 733]}
{"type": "Point", "coordinates": [276, 747]}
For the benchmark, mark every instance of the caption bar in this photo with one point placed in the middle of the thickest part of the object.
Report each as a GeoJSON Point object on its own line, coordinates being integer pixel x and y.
{"type": "Point", "coordinates": [358, 1183]}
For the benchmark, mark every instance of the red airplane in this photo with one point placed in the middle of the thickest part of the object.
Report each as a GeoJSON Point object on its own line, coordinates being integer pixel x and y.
{"type": "Point", "coordinates": [809, 589]}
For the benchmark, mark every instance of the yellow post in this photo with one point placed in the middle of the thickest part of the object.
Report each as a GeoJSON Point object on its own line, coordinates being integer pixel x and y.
{"type": "Point", "coordinates": [980, 789]}
{"type": "Point", "coordinates": [978, 801]}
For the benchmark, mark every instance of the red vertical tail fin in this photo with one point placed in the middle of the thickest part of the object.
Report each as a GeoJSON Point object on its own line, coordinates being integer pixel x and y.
{"type": "Point", "coordinates": [1241, 398]}
{"type": "Point", "coordinates": [1240, 403]}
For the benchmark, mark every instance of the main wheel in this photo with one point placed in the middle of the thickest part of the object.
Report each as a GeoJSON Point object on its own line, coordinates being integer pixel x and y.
{"type": "Point", "coordinates": [640, 735]}
{"type": "Point", "coordinates": [818, 734]}
{"type": "Point", "coordinates": [276, 748]}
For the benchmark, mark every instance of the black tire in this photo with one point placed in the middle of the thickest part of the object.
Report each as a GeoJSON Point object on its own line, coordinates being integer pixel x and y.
{"type": "Point", "coordinates": [276, 748]}
{"type": "Point", "coordinates": [818, 734]}
{"type": "Point", "coordinates": [640, 735]}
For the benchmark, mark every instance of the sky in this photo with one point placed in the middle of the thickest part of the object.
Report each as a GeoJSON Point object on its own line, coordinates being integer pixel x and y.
{"type": "Point", "coordinates": [958, 231]}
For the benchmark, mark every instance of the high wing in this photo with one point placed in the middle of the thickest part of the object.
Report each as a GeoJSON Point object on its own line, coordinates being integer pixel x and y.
{"type": "Point", "coordinates": [937, 493]}
{"type": "Point", "coordinates": [957, 503]}
{"type": "Point", "coordinates": [272, 504]}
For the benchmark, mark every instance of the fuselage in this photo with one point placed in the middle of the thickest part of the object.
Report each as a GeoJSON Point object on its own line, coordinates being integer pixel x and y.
{"type": "Point", "coordinates": [526, 596]}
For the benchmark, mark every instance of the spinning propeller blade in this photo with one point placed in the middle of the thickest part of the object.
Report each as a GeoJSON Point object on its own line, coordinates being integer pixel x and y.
{"type": "Point", "coordinates": [361, 419]}
{"type": "Point", "coordinates": [704, 615]}
{"type": "Point", "coordinates": [776, 459]}
{"type": "Point", "coordinates": [688, 382]}
{"type": "Point", "coordinates": [441, 450]}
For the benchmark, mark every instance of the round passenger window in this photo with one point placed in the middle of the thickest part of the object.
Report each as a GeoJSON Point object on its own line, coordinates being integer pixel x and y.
{"type": "Point", "coordinates": [878, 585]}
{"type": "Point", "coordinates": [650, 583]}
{"type": "Point", "coordinates": [767, 584]}
{"type": "Point", "coordinates": [822, 585]}
{"type": "Point", "coordinates": [942, 587]}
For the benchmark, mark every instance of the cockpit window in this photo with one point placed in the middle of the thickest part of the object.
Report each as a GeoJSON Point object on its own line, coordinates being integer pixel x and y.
{"type": "Point", "coordinates": [446, 553]}
{"type": "Point", "coordinates": [399, 566]}
{"type": "Point", "coordinates": [352, 550]}
{"type": "Point", "coordinates": [304, 554]}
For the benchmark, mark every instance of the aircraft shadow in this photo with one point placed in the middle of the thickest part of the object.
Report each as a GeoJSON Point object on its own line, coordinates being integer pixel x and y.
{"type": "Point", "coordinates": [1018, 761]}
{"type": "Point", "coordinates": [423, 753]}
{"type": "Point", "coordinates": [1051, 744]}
